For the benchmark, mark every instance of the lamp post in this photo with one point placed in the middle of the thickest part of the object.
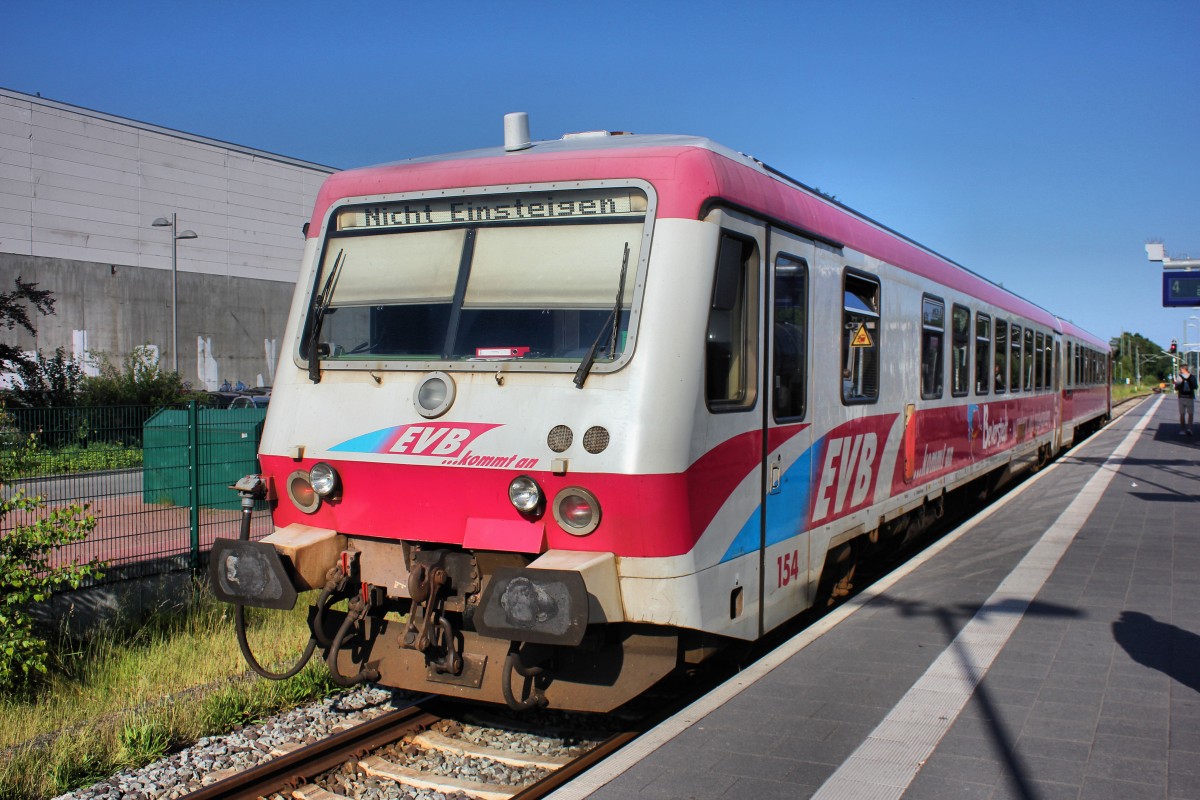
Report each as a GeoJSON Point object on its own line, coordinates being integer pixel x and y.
{"type": "Point", "coordinates": [176, 235]}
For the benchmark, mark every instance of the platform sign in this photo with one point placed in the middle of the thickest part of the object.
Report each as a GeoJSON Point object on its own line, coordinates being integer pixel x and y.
{"type": "Point", "coordinates": [1181, 289]}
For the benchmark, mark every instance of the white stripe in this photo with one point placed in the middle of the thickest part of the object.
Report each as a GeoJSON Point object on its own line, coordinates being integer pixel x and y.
{"type": "Point", "coordinates": [628, 756]}
{"type": "Point", "coordinates": [883, 767]}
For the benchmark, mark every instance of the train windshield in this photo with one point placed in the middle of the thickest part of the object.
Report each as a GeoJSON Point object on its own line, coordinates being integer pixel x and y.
{"type": "Point", "coordinates": [481, 278]}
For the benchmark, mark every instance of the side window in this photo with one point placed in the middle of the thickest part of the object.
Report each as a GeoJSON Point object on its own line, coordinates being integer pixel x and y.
{"type": "Point", "coordinates": [1050, 361]}
{"type": "Point", "coordinates": [1028, 383]}
{"type": "Point", "coordinates": [933, 333]}
{"type": "Point", "coordinates": [983, 353]}
{"type": "Point", "coordinates": [728, 377]}
{"type": "Point", "coordinates": [1001, 356]}
{"type": "Point", "coordinates": [789, 368]}
{"type": "Point", "coordinates": [1039, 354]}
{"type": "Point", "coordinates": [960, 351]}
{"type": "Point", "coordinates": [1014, 361]}
{"type": "Point", "coordinates": [860, 339]}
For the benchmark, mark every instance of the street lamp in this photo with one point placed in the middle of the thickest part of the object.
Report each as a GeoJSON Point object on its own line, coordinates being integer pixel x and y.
{"type": "Point", "coordinates": [176, 235]}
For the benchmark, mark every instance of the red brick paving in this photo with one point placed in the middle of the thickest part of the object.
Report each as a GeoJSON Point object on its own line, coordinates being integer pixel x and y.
{"type": "Point", "coordinates": [129, 530]}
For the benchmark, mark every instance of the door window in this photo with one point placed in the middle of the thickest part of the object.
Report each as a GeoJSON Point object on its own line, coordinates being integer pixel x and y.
{"type": "Point", "coordinates": [790, 338]}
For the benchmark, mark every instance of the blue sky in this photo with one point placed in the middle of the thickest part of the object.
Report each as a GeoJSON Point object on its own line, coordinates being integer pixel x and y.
{"type": "Point", "coordinates": [1037, 143]}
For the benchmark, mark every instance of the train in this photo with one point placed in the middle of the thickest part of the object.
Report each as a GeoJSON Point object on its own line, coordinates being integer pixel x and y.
{"type": "Point", "coordinates": [557, 419]}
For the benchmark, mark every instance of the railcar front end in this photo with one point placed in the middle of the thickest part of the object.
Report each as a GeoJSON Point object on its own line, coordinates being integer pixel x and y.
{"type": "Point", "coordinates": [464, 445]}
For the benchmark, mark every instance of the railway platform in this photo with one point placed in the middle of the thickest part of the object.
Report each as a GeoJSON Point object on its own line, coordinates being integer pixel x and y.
{"type": "Point", "coordinates": [1048, 648]}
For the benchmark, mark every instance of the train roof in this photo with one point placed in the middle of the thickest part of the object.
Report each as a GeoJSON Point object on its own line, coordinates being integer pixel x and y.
{"type": "Point", "coordinates": [690, 174]}
{"type": "Point", "coordinates": [1071, 329]}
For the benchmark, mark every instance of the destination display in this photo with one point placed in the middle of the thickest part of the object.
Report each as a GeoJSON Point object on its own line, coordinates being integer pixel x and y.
{"type": "Point", "coordinates": [1181, 289]}
{"type": "Point", "coordinates": [621, 203]}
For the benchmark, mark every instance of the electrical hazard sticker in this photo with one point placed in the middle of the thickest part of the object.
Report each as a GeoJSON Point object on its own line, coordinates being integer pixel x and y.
{"type": "Point", "coordinates": [861, 337]}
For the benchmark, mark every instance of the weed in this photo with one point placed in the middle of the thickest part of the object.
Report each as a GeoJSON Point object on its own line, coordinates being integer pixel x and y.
{"type": "Point", "coordinates": [127, 695]}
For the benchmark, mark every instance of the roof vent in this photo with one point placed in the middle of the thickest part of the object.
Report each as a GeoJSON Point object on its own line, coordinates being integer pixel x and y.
{"type": "Point", "coordinates": [587, 135]}
{"type": "Point", "coordinates": [516, 131]}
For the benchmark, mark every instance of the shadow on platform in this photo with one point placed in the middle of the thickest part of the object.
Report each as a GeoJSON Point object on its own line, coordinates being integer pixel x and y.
{"type": "Point", "coordinates": [1167, 648]}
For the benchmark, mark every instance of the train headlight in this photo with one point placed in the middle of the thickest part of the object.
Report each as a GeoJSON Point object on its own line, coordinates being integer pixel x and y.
{"type": "Point", "coordinates": [300, 490]}
{"type": "Point", "coordinates": [324, 480]}
{"type": "Point", "coordinates": [525, 494]}
{"type": "Point", "coordinates": [434, 395]}
{"type": "Point", "coordinates": [577, 510]}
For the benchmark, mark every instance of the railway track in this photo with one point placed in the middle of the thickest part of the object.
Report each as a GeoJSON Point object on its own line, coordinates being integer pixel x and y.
{"type": "Point", "coordinates": [432, 747]}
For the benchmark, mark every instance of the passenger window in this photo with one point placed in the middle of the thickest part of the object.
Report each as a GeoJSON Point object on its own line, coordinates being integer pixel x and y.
{"type": "Point", "coordinates": [1014, 361]}
{"type": "Point", "coordinates": [933, 333]}
{"type": "Point", "coordinates": [727, 373]}
{"type": "Point", "coordinates": [1028, 383]}
{"type": "Point", "coordinates": [1001, 370]}
{"type": "Point", "coordinates": [860, 339]}
{"type": "Point", "coordinates": [789, 350]}
{"type": "Point", "coordinates": [1040, 361]}
{"type": "Point", "coordinates": [983, 353]}
{"type": "Point", "coordinates": [1053, 374]}
{"type": "Point", "coordinates": [960, 351]}
{"type": "Point", "coordinates": [1048, 362]}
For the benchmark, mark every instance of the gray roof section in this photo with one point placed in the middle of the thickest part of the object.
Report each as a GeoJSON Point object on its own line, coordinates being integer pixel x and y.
{"type": "Point", "coordinates": [38, 100]}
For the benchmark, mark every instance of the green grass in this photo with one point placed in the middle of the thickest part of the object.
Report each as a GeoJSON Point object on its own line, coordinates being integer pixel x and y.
{"type": "Point", "coordinates": [1121, 391]}
{"type": "Point", "coordinates": [126, 697]}
{"type": "Point", "coordinates": [25, 461]}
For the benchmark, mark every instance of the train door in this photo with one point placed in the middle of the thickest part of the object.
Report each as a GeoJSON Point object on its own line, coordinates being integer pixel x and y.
{"type": "Point", "coordinates": [787, 427]}
{"type": "Point", "coordinates": [1059, 406]}
{"type": "Point", "coordinates": [733, 397]}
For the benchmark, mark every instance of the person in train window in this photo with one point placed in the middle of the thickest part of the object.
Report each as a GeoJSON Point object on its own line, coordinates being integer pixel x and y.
{"type": "Point", "coordinates": [1185, 389]}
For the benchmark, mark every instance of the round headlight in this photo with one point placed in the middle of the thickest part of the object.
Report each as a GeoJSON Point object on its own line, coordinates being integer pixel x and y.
{"type": "Point", "coordinates": [324, 479]}
{"type": "Point", "coordinates": [577, 510]}
{"type": "Point", "coordinates": [434, 395]}
{"type": "Point", "coordinates": [525, 494]}
{"type": "Point", "coordinates": [300, 490]}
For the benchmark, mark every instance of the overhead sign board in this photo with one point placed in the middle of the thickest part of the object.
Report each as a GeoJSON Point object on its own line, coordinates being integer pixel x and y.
{"type": "Point", "coordinates": [1181, 289]}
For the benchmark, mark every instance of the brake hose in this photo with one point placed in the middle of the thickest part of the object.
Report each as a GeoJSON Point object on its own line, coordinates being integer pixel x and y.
{"type": "Point", "coordinates": [512, 663]}
{"type": "Point", "coordinates": [357, 610]}
{"type": "Point", "coordinates": [239, 616]}
{"type": "Point", "coordinates": [239, 612]}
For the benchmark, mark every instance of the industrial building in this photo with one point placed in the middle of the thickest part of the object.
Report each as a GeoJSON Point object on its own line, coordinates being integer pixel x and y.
{"type": "Point", "coordinates": [149, 236]}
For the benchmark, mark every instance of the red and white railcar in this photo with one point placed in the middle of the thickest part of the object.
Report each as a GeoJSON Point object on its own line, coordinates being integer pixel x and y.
{"type": "Point", "coordinates": [581, 410]}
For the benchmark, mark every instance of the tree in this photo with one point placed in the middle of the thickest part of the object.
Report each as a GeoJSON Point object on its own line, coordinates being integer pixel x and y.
{"type": "Point", "coordinates": [1134, 355]}
{"type": "Point", "coordinates": [28, 572]}
{"type": "Point", "coordinates": [13, 313]}
{"type": "Point", "coordinates": [47, 382]}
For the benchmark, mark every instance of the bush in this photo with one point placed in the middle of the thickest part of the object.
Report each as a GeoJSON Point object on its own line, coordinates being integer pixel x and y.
{"type": "Point", "coordinates": [139, 381]}
{"type": "Point", "coordinates": [16, 446]}
{"type": "Point", "coordinates": [27, 576]}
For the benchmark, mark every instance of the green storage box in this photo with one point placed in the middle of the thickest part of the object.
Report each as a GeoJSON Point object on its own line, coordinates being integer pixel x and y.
{"type": "Point", "coordinates": [228, 450]}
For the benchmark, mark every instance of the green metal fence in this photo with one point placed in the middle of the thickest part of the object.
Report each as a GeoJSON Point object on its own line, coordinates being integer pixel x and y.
{"type": "Point", "coordinates": [156, 480]}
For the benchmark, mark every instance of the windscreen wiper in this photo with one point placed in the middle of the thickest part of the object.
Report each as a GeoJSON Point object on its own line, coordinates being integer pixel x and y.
{"type": "Point", "coordinates": [317, 311]}
{"type": "Point", "coordinates": [613, 324]}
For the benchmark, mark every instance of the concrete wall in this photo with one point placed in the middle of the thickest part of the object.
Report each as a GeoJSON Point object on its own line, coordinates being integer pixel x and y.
{"type": "Point", "coordinates": [229, 327]}
{"type": "Point", "coordinates": [79, 191]}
